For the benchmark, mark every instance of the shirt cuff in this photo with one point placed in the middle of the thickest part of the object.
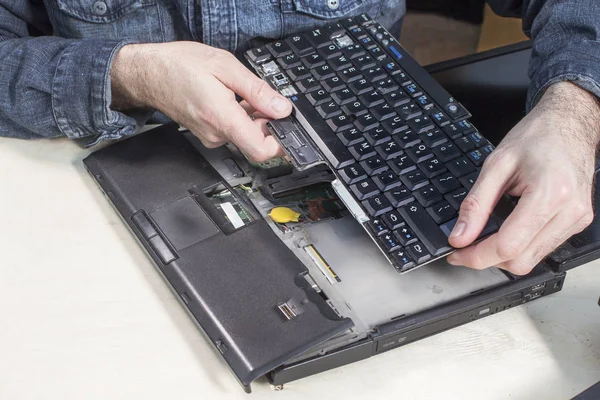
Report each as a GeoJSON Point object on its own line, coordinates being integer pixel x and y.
{"type": "Point", "coordinates": [81, 92]}
{"type": "Point", "coordinates": [578, 62]}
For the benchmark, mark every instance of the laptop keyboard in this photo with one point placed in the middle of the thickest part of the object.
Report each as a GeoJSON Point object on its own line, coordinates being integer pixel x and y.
{"type": "Point", "coordinates": [403, 149]}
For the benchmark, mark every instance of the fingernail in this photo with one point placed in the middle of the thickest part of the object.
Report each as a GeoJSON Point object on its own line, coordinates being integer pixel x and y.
{"type": "Point", "coordinates": [458, 230]}
{"type": "Point", "coordinates": [452, 259]}
{"type": "Point", "coordinates": [279, 104]}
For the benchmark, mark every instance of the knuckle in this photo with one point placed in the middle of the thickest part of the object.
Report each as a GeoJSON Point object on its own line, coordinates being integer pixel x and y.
{"type": "Point", "coordinates": [521, 266]}
{"type": "Point", "coordinates": [498, 157]}
{"type": "Point", "coordinates": [259, 89]}
{"type": "Point", "coordinates": [471, 204]}
{"type": "Point", "coordinates": [508, 249]}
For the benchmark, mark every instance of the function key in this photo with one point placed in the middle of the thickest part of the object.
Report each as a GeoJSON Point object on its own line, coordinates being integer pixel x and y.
{"type": "Point", "coordinates": [377, 53]}
{"type": "Point", "coordinates": [439, 117]}
{"type": "Point", "coordinates": [300, 45]}
{"type": "Point", "coordinates": [465, 126]}
{"type": "Point", "coordinates": [259, 55]}
{"type": "Point", "coordinates": [477, 157]}
{"type": "Point", "coordinates": [391, 66]}
{"type": "Point", "coordinates": [413, 89]}
{"type": "Point", "coordinates": [424, 102]}
{"type": "Point", "coordinates": [367, 42]}
{"type": "Point", "coordinates": [452, 131]}
{"type": "Point", "coordinates": [319, 38]}
{"type": "Point", "coordinates": [464, 144]}
{"type": "Point", "coordinates": [358, 32]}
{"type": "Point", "coordinates": [348, 23]}
{"type": "Point", "coordinates": [279, 48]}
{"type": "Point", "coordinates": [364, 19]}
{"type": "Point", "coordinates": [477, 139]}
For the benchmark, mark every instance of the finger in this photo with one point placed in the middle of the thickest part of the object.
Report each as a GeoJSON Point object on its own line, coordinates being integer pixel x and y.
{"type": "Point", "coordinates": [514, 236]}
{"type": "Point", "coordinates": [237, 127]}
{"type": "Point", "coordinates": [556, 232]}
{"type": "Point", "coordinates": [247, 107]}
{"type": "Point", "coordinates": [262, 122]}
{"type": "Point", "coordinates": [476, 208]}
{"type": "Point", "coordinates": [254, 90]}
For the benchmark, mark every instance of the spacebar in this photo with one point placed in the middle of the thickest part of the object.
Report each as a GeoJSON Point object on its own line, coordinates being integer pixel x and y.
{"type": "Point", "coordinates": [330, 146]}
{"type": "Point", "coordinates": [426, 229]}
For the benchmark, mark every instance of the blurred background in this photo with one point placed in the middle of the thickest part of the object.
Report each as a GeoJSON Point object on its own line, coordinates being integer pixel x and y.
{"type": "Point", "coordinates": [439, 30]}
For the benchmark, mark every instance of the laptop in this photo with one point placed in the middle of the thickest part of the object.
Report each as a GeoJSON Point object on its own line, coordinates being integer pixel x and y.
{"type": "Point", "coordinates": [271, 260]}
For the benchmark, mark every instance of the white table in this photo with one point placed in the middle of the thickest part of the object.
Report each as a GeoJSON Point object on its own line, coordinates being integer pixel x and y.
{"type": "Point", "coordinates": [84, 315]}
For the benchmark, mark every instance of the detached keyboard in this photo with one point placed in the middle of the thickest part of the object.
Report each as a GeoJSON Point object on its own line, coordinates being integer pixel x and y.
{"type": "Point", "coordinates": [403, 149]}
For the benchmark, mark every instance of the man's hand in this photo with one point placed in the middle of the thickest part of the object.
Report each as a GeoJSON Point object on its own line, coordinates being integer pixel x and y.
{"type": "Point", "coordinates": [195, 85]}
{"type": "Point", "coordinates": [547, 160]}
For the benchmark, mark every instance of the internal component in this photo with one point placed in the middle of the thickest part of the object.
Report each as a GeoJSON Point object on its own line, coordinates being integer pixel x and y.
{"type": "Point", "coordinates": [295, 143]}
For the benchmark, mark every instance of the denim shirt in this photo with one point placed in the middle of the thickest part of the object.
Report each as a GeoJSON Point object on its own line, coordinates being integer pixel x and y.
{"type": "Point", "coordinates": [57, 54]}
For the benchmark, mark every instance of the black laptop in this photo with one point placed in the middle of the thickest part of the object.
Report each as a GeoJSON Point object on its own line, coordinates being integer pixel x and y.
{"type": "Point", "coordinates": [280, 263]}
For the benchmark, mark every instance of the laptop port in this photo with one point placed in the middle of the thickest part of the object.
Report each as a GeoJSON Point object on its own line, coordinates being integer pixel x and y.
{"type": "Point", "coordinates": [537, 287]}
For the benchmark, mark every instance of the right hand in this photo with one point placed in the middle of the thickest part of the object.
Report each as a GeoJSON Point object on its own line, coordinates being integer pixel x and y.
{"type": "Point", "coordinates": [195, 85]}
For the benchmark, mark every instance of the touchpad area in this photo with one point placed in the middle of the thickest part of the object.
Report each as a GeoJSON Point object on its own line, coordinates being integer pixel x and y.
{"type": "Point", "coordinates": [184, 223]}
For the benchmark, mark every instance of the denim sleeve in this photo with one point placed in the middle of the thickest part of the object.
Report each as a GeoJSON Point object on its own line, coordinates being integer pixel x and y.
{"type": "Point", "coordinates": [566, 42]}
{"type": "Point", "coordinates": [52, 87]}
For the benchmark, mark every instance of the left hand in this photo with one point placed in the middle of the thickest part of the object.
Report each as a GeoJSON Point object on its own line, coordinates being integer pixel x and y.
{"type": "Point", "coordinates": [548, 160]}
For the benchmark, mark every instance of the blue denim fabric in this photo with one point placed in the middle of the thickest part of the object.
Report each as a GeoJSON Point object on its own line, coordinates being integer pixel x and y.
{"type": "Point", "coordinates": [57, 54]}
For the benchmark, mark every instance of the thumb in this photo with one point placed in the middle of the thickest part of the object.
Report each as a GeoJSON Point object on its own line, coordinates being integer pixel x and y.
{"type": "Point", "coordinates": [254, 90]}
{"type": "Point", "coordinates": [477, 207]}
